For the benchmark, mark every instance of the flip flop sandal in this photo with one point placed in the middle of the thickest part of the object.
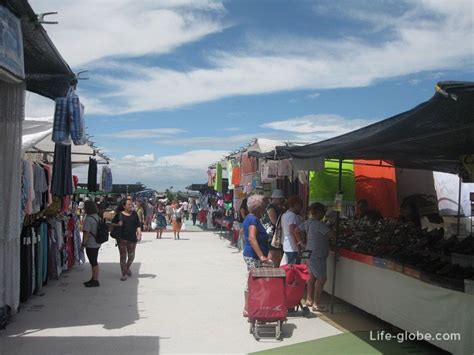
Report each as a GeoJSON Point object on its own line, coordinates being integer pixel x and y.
{"type": "Point", "coordinates": [319, 309]}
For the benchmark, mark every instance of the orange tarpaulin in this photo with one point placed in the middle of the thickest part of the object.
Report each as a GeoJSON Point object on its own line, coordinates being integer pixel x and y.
{"type": "Point", "coordinates": [378, 185]}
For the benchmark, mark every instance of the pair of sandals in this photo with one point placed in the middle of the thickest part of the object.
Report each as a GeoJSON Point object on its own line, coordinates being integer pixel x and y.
{"type": "Point", "coordinates": [124, 277]}
{"type": "Point", "coordinates": [316, 308]}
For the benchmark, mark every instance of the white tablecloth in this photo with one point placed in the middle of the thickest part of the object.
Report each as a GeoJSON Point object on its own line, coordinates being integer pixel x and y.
{"type": "Point", "coordinates": [405, 302]}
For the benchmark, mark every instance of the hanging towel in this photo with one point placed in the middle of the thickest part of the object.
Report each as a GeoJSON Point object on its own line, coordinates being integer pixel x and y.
{"type": "Point", "coordinates": [77, 123]}
{"type": "Point", "coordinates": [61, 125]}
{"type": "Point", "coordinates": [218, 182]}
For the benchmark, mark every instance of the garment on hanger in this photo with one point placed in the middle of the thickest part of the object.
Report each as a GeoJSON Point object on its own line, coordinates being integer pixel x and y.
{"type": "Point", "coordinates": [61, 125]}
{"type": "Point", "coordinates": [62, 171]}
{"type": "Point", "coordinates": [92, 175]}
{"type": "Point", "coordinates": [236, 175]}
{"type": "Point", "coordinates": [218, 181]}
{"type": "Point", "coordinates": [106, 181]}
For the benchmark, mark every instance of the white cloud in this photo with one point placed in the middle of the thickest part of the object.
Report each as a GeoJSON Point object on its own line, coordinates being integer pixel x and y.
{"type": "Point", "coordinates": [145, 133]}
{"type": "Point", "coordinates": [143, 158]}
{"type": "Point", "coordinates": [313, 96]}
{"type": "Point", "coordinates": [317, 127]}
{"type": "Point", "coordinates": [89, 30]}
{"type": "Point", "coordinates": [232, 129]}
{"type": "Point", "coordinates": [288, 63]}
{"type": "Point", "coordinates": [229, 142]}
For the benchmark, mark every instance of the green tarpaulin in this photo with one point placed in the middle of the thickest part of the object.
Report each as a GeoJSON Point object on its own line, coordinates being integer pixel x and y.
{"type": "Point", "coordinates": [323, 186]}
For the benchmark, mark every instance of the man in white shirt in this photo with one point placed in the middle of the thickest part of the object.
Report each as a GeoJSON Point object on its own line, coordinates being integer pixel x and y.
{"type": "Point", "coordinates": [290, 221]}
{"type": "Point", "coordinates": [185, 207]}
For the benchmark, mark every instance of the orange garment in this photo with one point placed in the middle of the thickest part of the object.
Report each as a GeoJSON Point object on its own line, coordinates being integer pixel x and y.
{"type": "Point", "coordinates": [236, 176]}
{"type": "Point", "coordinates": [378, 185]}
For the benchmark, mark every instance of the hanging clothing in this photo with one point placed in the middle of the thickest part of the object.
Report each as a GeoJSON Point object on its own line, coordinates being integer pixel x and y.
{"type": "Point", "coordinates": [269, 171]}
{"type": "Point", "coordinates": [76, 114]}
{"type": "Point", "coordinates": [61, 125]}
{"type": "Point", "coordinates": [106, 181]}
{"type": "Point", "coordinates": [229, 174]}
{"type": "Point", "coordinates": [12, 99]}
{"type": "Point", "coordinates": [92, 175]}
{"type": "Point", "coordinates": [218, 181]}
{"type": "Point", "coordinates": [62, 171]}
{"type": "Point", "coordinates": [236, 175]}
{"type": "Point", "coordinates": [285, 168]}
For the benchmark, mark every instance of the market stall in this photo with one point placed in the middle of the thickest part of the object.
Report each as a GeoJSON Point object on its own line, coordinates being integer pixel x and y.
{"type": "Point", "coordinates": [437, 267]}
{"type": "Point", "coordinates": [406, 302]}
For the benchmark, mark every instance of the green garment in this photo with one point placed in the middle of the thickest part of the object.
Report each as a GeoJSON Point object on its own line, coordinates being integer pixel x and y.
{"type": "Point", "coordinates": [218, 183]}
{"type": "Point", "coordinates": [323, 186]}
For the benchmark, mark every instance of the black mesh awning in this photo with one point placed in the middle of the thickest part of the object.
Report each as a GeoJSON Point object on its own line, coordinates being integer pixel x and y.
{"type": "Point", "coordinates": [47, 73]}
{"type": "Point", "coordinates": [432, 136]}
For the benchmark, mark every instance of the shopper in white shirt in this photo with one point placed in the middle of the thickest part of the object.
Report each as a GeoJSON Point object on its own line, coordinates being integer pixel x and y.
{"type": "Point", "coordinates": [290, 221]}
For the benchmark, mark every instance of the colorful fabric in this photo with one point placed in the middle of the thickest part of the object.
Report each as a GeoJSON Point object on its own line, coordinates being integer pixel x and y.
{"type": "Point", "coordinates": [61, 124]}
{"type": "Point", "coordinates": [236, 176]}
{"type": "Point", "coordinates": [377, 185]}
{"type": "Point", "coordinates": [249, 164]}
{"type": "Point", "coordinates": [324, 185]}
{"type": "Point", "coordinates": [218, 180]}
{"type": "Point", "coordinates": [77, 123]}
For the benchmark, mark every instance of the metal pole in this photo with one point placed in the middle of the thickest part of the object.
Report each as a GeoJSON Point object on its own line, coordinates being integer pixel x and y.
{"type": "Point", "coordinates": [459, 205]}
{"type": "Point", "coordinates": [337, 237]}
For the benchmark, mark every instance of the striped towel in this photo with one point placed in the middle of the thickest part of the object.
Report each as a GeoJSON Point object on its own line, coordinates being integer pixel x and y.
{"type": "Point", "coordinates": [77, 124]}
{"type": "Point", "coordinates": [61, 128]}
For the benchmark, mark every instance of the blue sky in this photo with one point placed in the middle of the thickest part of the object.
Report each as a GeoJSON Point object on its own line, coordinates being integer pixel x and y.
{"type": "Point", "coordinates": [175, 84]}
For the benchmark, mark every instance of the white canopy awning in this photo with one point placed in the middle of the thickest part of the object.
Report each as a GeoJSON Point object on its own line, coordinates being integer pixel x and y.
{"type": "Point", "coordinates": [37, 134]}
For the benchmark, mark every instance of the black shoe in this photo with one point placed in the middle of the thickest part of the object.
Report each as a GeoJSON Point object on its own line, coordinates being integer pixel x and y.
{"type": "Point", "coordinates": [85, 283]}
{"type": "Point", "coordinates": [92, 283]}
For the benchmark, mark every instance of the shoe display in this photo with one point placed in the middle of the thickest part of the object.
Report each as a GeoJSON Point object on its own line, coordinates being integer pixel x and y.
{"type": "Point", "coordinates": [406, 244]}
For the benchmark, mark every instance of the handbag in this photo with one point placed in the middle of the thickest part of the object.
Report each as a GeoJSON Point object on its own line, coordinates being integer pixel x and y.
{"type": "Point", "coordinates": [117, 231]}
{"type": "Point", "coordinates": [277, 234]}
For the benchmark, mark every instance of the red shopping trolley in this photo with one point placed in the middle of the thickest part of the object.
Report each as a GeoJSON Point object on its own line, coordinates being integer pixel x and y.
{"type": "Point", "coordinates": [267, 309]}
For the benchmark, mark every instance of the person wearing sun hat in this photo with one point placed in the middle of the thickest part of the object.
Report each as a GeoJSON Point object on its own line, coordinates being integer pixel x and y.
{"type": "Point", "coordinates": [269, 221]}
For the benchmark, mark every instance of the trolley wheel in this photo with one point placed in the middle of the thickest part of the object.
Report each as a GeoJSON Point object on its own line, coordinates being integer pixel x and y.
{"type": "Point", "coordinates": [280, 326]}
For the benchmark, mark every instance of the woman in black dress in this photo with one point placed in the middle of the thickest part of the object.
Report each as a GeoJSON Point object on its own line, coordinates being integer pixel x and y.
{"type": "Point", "coordinates": [130, 232]}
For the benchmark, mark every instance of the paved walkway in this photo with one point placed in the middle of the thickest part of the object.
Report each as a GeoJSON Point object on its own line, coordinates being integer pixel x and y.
{"type": "Point", "coordinates": [185, 296]}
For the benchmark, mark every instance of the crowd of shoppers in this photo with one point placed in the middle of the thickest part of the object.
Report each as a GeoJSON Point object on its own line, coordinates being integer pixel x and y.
{"type": "Point", "coordinates": [275, 232]}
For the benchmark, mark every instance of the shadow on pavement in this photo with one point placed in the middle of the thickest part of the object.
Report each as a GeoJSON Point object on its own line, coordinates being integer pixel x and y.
{"type": "Point", "coordinates": [69, 304]}
{"type": "Point", "coordinates": [80, 345]}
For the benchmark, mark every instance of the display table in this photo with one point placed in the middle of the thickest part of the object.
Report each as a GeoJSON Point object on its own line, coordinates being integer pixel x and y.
{"type": "Point", "coordinates": [406, 302]}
